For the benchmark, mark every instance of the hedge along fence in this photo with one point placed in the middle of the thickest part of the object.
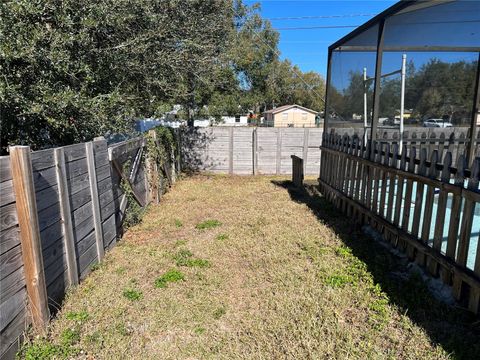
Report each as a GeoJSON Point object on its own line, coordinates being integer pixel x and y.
{"type": "Point", "coordinates": [60, 210]}
{"type": "Point", "coordinates": [417, 199]}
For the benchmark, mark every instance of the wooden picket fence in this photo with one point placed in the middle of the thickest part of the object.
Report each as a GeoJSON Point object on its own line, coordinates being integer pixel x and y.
{"type": "Point", "coordinates": [60, 210]}
{"type": "Point", "coordinates": [415, 197]}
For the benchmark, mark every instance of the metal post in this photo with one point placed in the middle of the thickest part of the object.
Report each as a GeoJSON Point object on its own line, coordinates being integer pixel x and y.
{"type": "Point", "coordinates": [365, 110]}
{"type": "Point", "coordinates": [475, 116]}
{"type": "Point", "coordinates": [402, 99]}
{"type": "Point", "coordinates": [329, 73]}
{"type": "Point", "coordinates": [378, 74]}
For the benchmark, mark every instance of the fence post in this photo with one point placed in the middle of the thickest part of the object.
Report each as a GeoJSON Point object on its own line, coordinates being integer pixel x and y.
{"type": "Point", "coordinates": [230, 150]}
{"type": "Point", "coordinates": [152, 173]}
{"type": "Point", "coordinates": [22, 176]}
{"type": "Point", "coordinates": [97, 220]}
{"type": "Point", "coordinates": [255, 151]}
{"type": "Point", "coordinates": [279, 151]}
{"type": "Point", "coordinates": [305, 149]}
{"type": "Point", "coordinates": [66, 214]}
{"type": "Point", "coordinates": [179, 150]}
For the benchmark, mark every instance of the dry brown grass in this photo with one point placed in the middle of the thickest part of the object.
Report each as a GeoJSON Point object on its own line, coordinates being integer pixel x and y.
{"type": "Point", "coordinates": [280, 283]}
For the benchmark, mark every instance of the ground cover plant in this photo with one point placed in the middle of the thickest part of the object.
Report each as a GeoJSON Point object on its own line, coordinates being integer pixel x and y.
{"type": "Point", "coordinates": [288, 277]}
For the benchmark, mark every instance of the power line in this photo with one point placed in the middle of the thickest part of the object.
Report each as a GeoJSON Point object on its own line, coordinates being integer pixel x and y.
{"type": "Point", "coordinates": [317, 17]}
{"type": "Point", "coordinates": [316, 27]}
{"type": "Point", "coordinates": [255, 33]}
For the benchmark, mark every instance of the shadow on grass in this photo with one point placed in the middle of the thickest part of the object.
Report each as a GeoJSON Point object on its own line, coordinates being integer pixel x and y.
{"type": "Point", "coordinates": [456, 330]}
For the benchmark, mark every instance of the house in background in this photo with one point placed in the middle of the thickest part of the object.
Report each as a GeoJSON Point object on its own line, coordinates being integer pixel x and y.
{"type": "Point", "coordinates": [290, 116]}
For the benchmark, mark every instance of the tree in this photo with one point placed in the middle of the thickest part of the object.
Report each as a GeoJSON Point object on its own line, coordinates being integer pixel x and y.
{"type": "Point", "coordinates": [72, 70]}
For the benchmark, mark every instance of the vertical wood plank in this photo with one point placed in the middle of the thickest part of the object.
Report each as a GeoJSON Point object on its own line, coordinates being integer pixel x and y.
{"type": "Point", "coordinates": [230, 150]}
{"type": "Point", "coordinates": [408, 192]}
{"type": "Point", "coordinates": [392, 183]}
{"type": "Point", "coordinates": [429, 200]}
{"type": "Point", "coordinates": [305, 148]}
{"type": "Point", "coordinates": [442, 203]}
{"type": "Point", "coordinates": [279, 151]}
{"type": "Point", "coordinates": [152, 177]}
{"type": "Point", "coordinates": [97, 220]}
{"type": "Point", "coordinates": [66, 214]}
{"type": "Point", "coordinates": [399, 194]}
{"type": "Point", "coordinates": [31, 245]}
{"type": "Point", "coordinates": [468, 215]}
{"type": "Point", "coordinates": [422, 170]}
{"type": "Point", "coordinates": [455, 211]}
{"type": "Point", "coordinates": [255, 151]}
{"type": "Point", "coordinates": [385, 176]}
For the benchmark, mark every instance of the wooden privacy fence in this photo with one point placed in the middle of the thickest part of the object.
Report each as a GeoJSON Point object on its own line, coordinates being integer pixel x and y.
{"type": "Point", "coordinates": [453, 139]}
{"type": "Point", "coordinates": [60, 209]}
{"type": "Point", "coordinates": [250, 151]}
{"type": "Point", "coordinates": [420, 203]}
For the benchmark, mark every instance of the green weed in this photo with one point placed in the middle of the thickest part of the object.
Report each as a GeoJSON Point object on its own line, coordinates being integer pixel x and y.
{"type": "Point", "coordinates": [178, 223]}
{"type": "Point", "coordinates": [170, 276]}
{"type": "Point", "coordinates": [182, 256]}
{"type": "Point", "coordinates": [79, 316]}
{"type": "Point", "coordinates": [70, 337]}
{"type": "Point", "coordinates": [222, 237]}
{"type": "Point", "coordinates": [208, 224]}
{"type": "Point", "coordinates": [339, 280]}
{"type": "Point", "coordinates": [41, 350]}
{"type": "Point", "coordinates": [201, 263]}
{"type": "Point", "coordinates": [199, 330]}
{"type": "Point", "coordinates": [132, 294]}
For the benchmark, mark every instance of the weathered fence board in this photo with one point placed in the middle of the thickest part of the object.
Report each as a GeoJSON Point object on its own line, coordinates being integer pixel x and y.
{"type": "Point", "coordinates": [426, 206]}
{"type": "Point", "coordinates": [80, 206]}
{"type": "Point", "coordinates": [247, 151]}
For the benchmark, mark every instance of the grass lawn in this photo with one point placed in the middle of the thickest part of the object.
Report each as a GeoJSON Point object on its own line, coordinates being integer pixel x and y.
{"type": "Point", "coordinates": [248, 267]}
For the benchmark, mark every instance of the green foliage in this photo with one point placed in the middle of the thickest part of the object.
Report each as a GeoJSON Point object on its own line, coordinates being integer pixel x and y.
{"type": "Point", "coordinates": [41, 350]}
{"type": "Point", "coordinates": [185, 258]}
{"type": "Point", "coordinates": [134, 212]}
{"type": "Point", "coordinates": [208, 224]}
{"type": "Point", "coordinates": [199, 330]}
{"type": "Point", "coordinates": [132, 294]}
{"type": "Point", "coordinates": [70, 337]}
{"type": "Point", "coordinates": [72, 70]}
{"type": "Point", "coordinates": [178, 223]}
{"type": "Point", "coordinates": [222, 237]}
{"type": "Point", "coordinates": [80, 316]}
{"type": "Point", "coordinates": [338, 280]}
{"type": "Point", "coordinates": [182, 257]}
{"type": "Point", "coordinates": [170, 276]}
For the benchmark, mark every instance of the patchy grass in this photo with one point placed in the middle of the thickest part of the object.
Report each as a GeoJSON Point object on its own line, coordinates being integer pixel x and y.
{"type": "Point", "coordinates": [170, 276]}
{"type": "Point", "coordinates": [295, 280]}
{"type": "Point", "coordinates": [185, 258]}
{"type": "Point", "coordinates": [222, 237]}
{"type": "Point", "coordinates": [79, 316]}
{"type": "Point", "coordinates": [132, 294]}
{"type": "Point", "coordinates": [208, 224]}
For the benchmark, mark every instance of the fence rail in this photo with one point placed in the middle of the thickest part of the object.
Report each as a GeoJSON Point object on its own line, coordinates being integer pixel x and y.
{"type": "Point", "coordinates": [250, 151]}
{"type": "Point", "coordinates": [420, 202]}
{"type": "Point", "coordinates": [60, 209]}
